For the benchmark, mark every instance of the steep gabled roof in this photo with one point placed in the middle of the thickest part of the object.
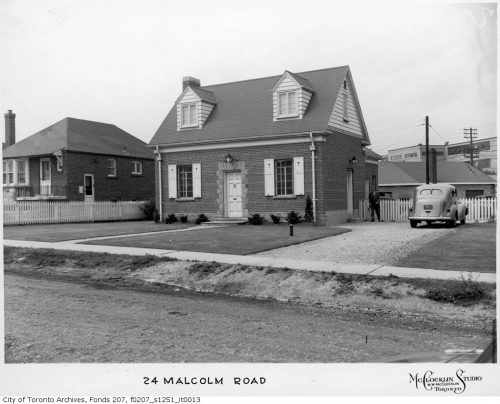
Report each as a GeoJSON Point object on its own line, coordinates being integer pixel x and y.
{"type": "Point", "coordinates": [245, 110]}
{"type": "Point", "coordinates": [79, 135]}
{"type": "Point", "coordinates": [413, 173]}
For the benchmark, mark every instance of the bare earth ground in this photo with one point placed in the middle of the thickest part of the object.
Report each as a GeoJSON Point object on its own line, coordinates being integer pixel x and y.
{"type": "Point", "coordinates": [59, 320]}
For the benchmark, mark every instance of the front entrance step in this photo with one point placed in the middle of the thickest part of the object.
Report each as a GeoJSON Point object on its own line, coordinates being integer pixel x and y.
{"type": "Point", "coordinates": [224, 221]}
{"type": "Point", "coordinates": [355, 219]}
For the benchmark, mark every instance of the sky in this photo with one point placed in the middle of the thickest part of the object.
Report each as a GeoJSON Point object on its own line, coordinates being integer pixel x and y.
{"type": "Point", "coordinates": [122, 62]}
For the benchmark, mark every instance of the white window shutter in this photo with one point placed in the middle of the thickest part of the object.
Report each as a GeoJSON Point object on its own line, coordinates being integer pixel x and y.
{"type": "Point", "coordinates": [269, 177]}
{"type": "Point", "coordinates": [172, 181]}
{"type": "Point", "coordinates": [298, 175]}
{"type": "Point", "coordinates": [197, 180]}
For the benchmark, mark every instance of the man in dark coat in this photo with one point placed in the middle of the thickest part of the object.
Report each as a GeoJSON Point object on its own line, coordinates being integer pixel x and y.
{"type": "Point", "coordinates": [374, 199]}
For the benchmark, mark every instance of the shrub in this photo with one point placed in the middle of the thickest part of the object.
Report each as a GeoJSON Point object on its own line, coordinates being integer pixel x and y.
{"type": "Point", "coordinates": [201, 218]}
{"type": "Point", "coordinates": [183, 218]}
{"type": "Point", "coordinates": [156, 216]}
{"type": "Point", "coordinates": [462, 292]}
{"type": "Point", "coordinates": [309, 215]}
{"type": "Point", "coordinates": [275, 218]}
{"type": "Point", "coordinates": [255, 219]}
{"type": "Point", "coordinates": [149, 209]}
{"type": "Point", "coordinates": [293, 217]}
{"type": "Point", "coordinates": [171, 219]}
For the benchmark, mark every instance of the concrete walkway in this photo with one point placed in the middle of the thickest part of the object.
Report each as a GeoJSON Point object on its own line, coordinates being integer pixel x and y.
{"type": "Point", "coordinates": [367, 269]}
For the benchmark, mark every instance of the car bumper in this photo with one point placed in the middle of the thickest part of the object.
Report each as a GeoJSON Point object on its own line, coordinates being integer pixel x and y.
{"type": "Point", "coordinates": [432, 218]}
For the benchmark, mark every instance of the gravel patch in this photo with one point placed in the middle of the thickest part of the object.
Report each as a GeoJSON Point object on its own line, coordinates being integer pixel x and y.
{"type": "Point", "coordinates": [367, 243]}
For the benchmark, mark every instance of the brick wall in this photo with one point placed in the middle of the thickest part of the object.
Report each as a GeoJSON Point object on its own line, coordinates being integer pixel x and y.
{"type": "Point", "coordinates": [58, 178]}
{"type": "Point", "coordinates": [331, 178]}
{"type": "Point", "coordinates": [333, 158]}
{"type": "Point", "coordinates": [253, 159]}
{"type": "Point", "coordinates": [125, 186]}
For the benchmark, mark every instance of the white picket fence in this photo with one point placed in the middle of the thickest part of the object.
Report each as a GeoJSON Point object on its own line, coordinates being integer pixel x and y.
{"type": "Point", "coordinates": [397, 210]}
{"type": "Point", "coordinates": [31, 212]}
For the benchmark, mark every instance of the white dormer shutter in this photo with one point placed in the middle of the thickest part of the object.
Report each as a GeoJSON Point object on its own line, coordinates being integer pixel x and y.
{"type": "Point", "coordinates": [197, 180]}
{"type": "Point", "coordinates": [172, 181]}
{"type": "Point", "coordinates": [298, 175]}
{"type": "Point", "coordinates": [269, 177]}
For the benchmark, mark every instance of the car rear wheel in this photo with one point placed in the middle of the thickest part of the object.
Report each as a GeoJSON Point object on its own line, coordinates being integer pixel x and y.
{"type": "Point", "coordinates": [413, 223]}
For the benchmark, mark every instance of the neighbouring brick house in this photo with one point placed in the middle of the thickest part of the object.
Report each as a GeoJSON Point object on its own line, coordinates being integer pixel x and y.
{"type": "Point", "coordinates": [263, 145]}
{"type": "Point", "coordinates": [78, 160]}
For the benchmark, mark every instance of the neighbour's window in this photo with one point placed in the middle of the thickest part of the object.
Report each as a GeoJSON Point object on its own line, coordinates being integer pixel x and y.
{"type": "Point", "coordinates": [10, 172]}
{"type": "Point", "coordinates": [21, 172]}
{"type": "Point", "coordinates": [287, 103]}
{"type": "Point", "coordinates": [111, 168]}
{"type": "Point", "coordinates": [185, 181]}
{"type": "Point", "coordinates": [284, 176]}
{"type": "Point", "coordinates": [431, 192]}
{"type": "Point", "coordinates": [189, 116]}
{"type": "Point", "coordinates": [136, 167]}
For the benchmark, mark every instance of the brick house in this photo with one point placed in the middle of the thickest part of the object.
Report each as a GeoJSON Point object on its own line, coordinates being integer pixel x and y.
{"type": "Point", "coordinates": [77, 160]}
{"type": "Point", "coordinates": [263, 145]}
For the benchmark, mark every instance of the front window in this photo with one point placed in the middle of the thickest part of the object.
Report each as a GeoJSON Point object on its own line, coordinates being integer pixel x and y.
{"type": "Point", "coordinates": [10, 172]}
{"type": "Point", "coordinates": [111, 168]}
{"type": "Point", "coordinates": [136, 167]}
{"type": "Point", "coordinates": [189, 116]}
{"type": "Point", "coordinates": [284, 177]}
{"type": "Point", "coordinates": [15, 172]}
{"type": "Point", "coordinates": [185, 181]}
{"type": "Point", "coordinates": [287, 103]}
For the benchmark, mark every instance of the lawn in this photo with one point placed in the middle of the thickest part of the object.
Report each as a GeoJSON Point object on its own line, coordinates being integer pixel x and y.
{"type": "Point", "coordinates": [472, 247]}
{"type": "Point", "coordinates": [74, 231]}
{"type": "Point", "coordinates": [241, 240]}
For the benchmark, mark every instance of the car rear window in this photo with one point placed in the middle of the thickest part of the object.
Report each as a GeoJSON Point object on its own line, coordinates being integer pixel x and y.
{"type": "Point", "coordinates": [431, 192]}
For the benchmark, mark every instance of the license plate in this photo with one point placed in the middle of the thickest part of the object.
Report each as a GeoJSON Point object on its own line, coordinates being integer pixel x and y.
{"type": "Point", "coordinates": [427, 207]}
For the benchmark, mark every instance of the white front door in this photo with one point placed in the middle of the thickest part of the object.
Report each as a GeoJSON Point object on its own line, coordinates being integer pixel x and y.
{"type": "Point", "coordinates": [88, 187]}
{"type": "Point", "coordinates": [233, 187]}
{"type": "Point", "coordinates": [350, 208]}
{"type": "Point", "coordinates": [45, 176]}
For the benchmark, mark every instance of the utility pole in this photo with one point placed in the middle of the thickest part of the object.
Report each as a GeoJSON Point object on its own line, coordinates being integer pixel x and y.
{"type": "Point", "coordinates": [472, 134]}
{"type": "Point", "coordinates": [427, 179]}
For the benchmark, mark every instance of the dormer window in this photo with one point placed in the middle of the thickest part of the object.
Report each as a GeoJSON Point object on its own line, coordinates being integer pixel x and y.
{"type": "Point", "coordinates": [189, 115]}
{"type": "Point", "coordinates": [287, 104]}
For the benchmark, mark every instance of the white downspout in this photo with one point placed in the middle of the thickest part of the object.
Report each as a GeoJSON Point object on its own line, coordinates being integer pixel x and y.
{"type": "Point", "coordinates": [313, 170]}
{"type": "Point", "coordinates": [160, 187]}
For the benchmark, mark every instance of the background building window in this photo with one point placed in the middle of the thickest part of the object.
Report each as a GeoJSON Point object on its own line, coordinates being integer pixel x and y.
{"type": "Point", "coordinates": [284, 177]}
{"type": "Point", "coordinates": [185, 181]}
{"type": "Point", "coordinates": [111, 168]}
{"type": "Point", "coordinates": [136, 167]}
{"type": "Point", "coordinates": [287, 103]}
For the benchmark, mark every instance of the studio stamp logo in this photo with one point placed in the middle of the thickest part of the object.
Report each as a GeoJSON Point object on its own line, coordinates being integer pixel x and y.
{"type": "Point", "coordinates": [431, 381]}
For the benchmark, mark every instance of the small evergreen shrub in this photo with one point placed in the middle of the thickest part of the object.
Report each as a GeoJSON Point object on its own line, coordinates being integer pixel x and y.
{"type": "Point", "coordinates": [309, 215]}
{"type": "Point", "coordinates": [149, 209]}
{"type": "Point", "coordinates": [171, 219]}
{"type": "Point", "coordinates": [275, 218]}
{"type": "Point", "coordinates": [255, 219]}
{"type": "Point", "coordinates": [183, 218]}
{"type": "Point", "coordinates": [293, 217]}
{"type": "Point", "coordinates": [201, 218]}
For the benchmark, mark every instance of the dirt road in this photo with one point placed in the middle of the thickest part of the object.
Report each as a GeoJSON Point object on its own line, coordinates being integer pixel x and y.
{"type": "Point", "coordinates": [58, 319]}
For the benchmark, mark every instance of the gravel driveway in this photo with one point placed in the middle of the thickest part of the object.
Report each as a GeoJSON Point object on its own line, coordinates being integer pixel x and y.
{"type": "Point", "coordinates": [368, 243]}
